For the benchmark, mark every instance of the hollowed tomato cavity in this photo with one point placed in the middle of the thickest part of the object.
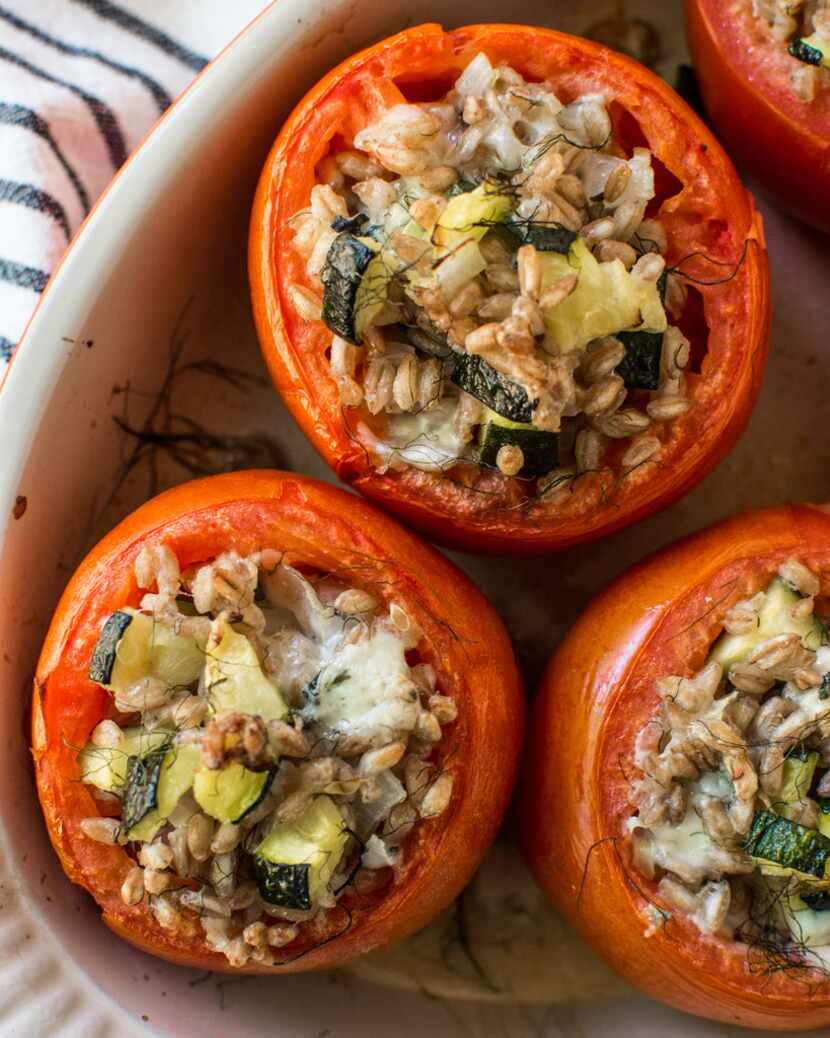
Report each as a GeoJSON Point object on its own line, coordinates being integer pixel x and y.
{"type": "Point", "coordinates": [417, 90]}
{"type": "Point", "coordinates": [692, 322]}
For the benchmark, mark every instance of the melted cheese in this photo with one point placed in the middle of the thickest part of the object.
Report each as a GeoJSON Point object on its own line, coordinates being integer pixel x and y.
{"type": "Point", "coordinates": [685, 848]}
{"type": "Point", "coordinates": [367, 687]}
{"type": "Point", "coordinates": [426, 440]}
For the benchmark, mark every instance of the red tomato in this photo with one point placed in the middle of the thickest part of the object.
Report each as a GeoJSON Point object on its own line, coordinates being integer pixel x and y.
{"type": "Point", "coordinates": [713, 230]}
{"type": "Point", "coordinates": [336, 533]}
{"type": "Point", "coordinates": [744, 77]}
{"type": "Point", "coordinates": [659, 618]}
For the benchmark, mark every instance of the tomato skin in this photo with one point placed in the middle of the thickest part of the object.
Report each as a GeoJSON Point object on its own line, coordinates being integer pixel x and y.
{"type": "Point", "coordinates": [783, 142]}
{"type": "Point", "coordinates": [712, 214]}
{"type": "Point", "coordinates": [336, 532]}
{"type": "Point", "coordinates": [659, 618]}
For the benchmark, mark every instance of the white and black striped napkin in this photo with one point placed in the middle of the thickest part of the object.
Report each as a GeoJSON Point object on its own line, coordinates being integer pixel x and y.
{"type": "Point", "coordinates": [81, 82]}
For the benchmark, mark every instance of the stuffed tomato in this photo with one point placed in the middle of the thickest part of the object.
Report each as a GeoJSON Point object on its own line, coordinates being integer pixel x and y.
{"type": "Point", "coordinates": [676, 802]}
{"type": "Point", "coordinates": [508, 284]}
{"type": "Point", "coordinates": [271, 729]}
{"type": "Point", "coordinates": [764, 73]}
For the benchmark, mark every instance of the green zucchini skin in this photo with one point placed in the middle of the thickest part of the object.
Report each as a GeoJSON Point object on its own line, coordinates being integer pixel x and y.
{"type": "Point", "coordinates": [346, 263]}
{"type": "Point", "coordinates": [284, 885]}
{"type": "Point", "coordinates": [818, 901]}
{"type": "Point", "coordinates": [788, 844]}
{"type": "Point", "coordinates": [543, 237]}
{"type": "Point", "coordinates": [353, 224]}
{"type": "Point", "coordinates": [141, 786]}
{"type": "Point", "coordinates": [104, 653]}
{"type": "Point", "coordinates": [540, 448]}
{"type": "Point", "coordinates": [802, 51]}
{"type": "Point", "coordinates": [640, 367]}
{"type": "Point", "coordinates": [263, 794]}
{"type": "Point", "coordinates": [476, 377]}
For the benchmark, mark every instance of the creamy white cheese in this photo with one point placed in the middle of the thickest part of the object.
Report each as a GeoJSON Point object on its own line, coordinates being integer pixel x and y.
{"type": "Point", "coordinates": [427, 440]}
{"type": "Point", "coordinates": [367, 688]}
{"type": "Point", "coordinates": [685, 848]}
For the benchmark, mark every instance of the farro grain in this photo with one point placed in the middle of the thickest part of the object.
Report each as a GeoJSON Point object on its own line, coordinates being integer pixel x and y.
{"type": "Point", "coordinates": [617, 183]}
{"type": "Point", "coordinates": [102, 830]}
{"type": "Point", "coordinates": [443, 707]}
{"type": "Point", "coordinates": [132, 889]}
{"type": "Point", "coordinates": [155, 856]}
{"type": "Point", "coordinates": [643, 449]}
{"type": "Point", "coordinates": [465, 301]}
{"type": "Point", "coordinates": [597, 230]}
{"type": "Point", "coordinates": [497, 306]}
{"type": "Point", "coordinates": [589, 448]}
{"type": "Point", "coordinates": [665, 408]}
{"type": "Point", "coordinates": [199, 836]}
{"type": "Point", "coordinates": [607, 250]}
{"type": "Point", "coordinates": [530, 271]}
{"type": "Point", "coordinates": [373, 762]}
{"type": "Point", "coordinates": [307, 303]}
{"type": "Point", "coordinates": [649, 267]}
{"type": "Point", "coordinates": [437, 797]}
{"type": "Point", "coordinates": [604, 396]}
{"type": "Point", "coordinates": [558, 292]}
{"type": "Point", "coordinates": [107, 734]}
{"type": "Point", "coordinates": [281, 934]}
{"type": "Point", "coordinates": [157, 882]}
{"type": "Point", "coordinates": [225, 838]}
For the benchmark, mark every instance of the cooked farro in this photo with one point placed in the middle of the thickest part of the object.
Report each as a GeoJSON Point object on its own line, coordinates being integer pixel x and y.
{"type": "Point", "coordinates": [731, 814]}
{"type": "Point", "coordinates": [315, 732]}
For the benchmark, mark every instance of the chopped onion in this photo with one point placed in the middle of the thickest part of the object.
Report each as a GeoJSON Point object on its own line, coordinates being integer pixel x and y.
{"type": "Point", "coordinates": [458, 267]}
{"type": "Point", "coordinates": [640, 187]}
{"type": "Point", "coordinates": [427, 441]}
{"type": "Point", "coordinates": [289, 589]}
{"type": "Point", "coordinates": [477, 77]}
{"type": "Point", "coordinates": [377, 855]}
{"type": "Point", "coordinates": [369, 816]}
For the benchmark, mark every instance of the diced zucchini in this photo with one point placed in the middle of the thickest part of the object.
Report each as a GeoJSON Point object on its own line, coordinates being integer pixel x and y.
{"type": "Point", "coordinates": [296, 860]}
{"type": "Point", "coordinates": [807, 918]}
{"type": "Point", "coordinates": [774, 618]}
{"type": "Point", "coordinates": [154, 786]}
{"type": "Point", "coordinates": [824, 817]}
{"type": "Point", "coordinates": [640, 367]}
{"type": "Point", "coordinates": [813, 50]}
{"type": "Point", "coordinates": [106, 767]}
{"type": "Point", "coordinates": [230, 793]}
{"type": "Point", "coordinates": [476, 377]}
{"type": "Point", "coordinates": [818, 900]}
{"type": "Point", "coordinates": [540, 448]}
{"type": "Point", "coordinates": [104, 653]}
{"type": "Point", "coordinates": [355, 285]}
{"type": "Point", "coordinates": [353, 224]}
{"type": "Point", "coordinates": [607, 299]}
{"type": "Point", "coordinates": [134, 645]}
{"type": "Point", "coordinates": [471, 215]}
{"type": "Point", "coordinates": [787, 846]}
{"type": "Point", "coordinates": [235, 679]}
{"type": "Point", "coordinates": [543, 237]}
{"type": "Point", "coordinates": [461, 187]}
{"type": "Point", "coordinates": [799, 768]}
{"type": "Point", "coordinates": [141, 786]}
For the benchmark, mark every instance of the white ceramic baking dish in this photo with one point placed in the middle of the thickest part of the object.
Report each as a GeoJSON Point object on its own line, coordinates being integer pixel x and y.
{"type": "Point", "coordinates": [160, 265]}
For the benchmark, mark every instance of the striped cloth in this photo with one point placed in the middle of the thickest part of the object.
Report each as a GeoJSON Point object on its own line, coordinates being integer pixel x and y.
{"type": "Point", "coordinates": [81, 82]}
